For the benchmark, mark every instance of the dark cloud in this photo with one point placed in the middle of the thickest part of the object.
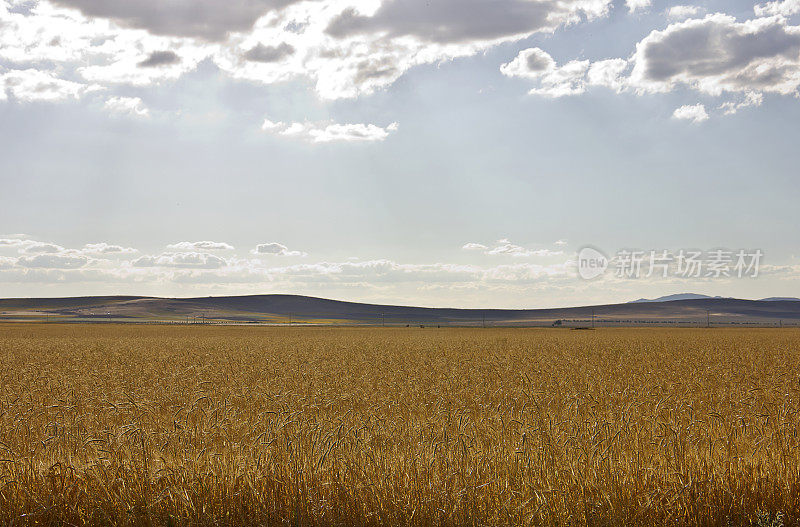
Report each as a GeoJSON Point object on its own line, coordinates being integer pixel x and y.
{"type": "Point", "coordinates": [270, 248]}
{"type": "Point", "coordinates": [538, 62]}
{"type": "Point", "coordinates": [448, 21]}
{"type": "Point", "coordinates": [43, 248]}
{"type": "Point", "coordinates": [719, 52]}
{"type": "Point", "coordinates": [275, 248]}
{"type": "Point", "coordinates": [204, 19]}
{"type": "Point", "coordinates": [376, 69]}
{"type": "Point", "coordinates": [160, 58]}
{"type": "Point", "coordinates": [262, 53]}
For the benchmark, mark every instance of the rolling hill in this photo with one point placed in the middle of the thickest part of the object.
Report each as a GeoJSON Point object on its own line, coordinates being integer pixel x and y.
{"type": "Point", "coordinates": [295, 309]}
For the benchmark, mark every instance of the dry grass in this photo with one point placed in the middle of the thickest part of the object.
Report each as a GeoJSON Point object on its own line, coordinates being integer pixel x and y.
{"type": "Point", "coordinates": [131, 425]}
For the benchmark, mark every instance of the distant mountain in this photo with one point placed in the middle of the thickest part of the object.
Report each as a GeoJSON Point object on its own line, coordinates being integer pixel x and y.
{"type": "Point", "coordinates": [781, 299]}
{"type": "Point", "coordinates": [696, 296]}
{"type": "Point", "coordinates": [671, 298]}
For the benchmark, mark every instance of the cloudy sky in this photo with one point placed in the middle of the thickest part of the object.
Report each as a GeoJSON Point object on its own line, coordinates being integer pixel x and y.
{"type": "Point", "coordinates": [431, 152]}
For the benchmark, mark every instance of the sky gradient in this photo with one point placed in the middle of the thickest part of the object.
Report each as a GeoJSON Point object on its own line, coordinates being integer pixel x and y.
{"type": "Point", "coordinates": [444, 153]}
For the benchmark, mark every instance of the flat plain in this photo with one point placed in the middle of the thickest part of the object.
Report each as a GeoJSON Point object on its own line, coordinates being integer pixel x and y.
{"type": "Point", "coordinates": [234, 425]}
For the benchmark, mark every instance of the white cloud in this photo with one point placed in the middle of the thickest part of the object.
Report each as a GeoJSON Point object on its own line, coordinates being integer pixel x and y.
{"type": "Point", "coordinates": [133, 66]}
{"type": "Point", "coordinates": [389, 279]}
{"type": "Point", "coordinates": [750, 99]}
{"type": "Point", "coordinates": [783, 8]}
{"type": "Point", "coordinates": [326, 133]}
{"type": "Point", "coordinates": [695, 113]}
{"type": "Point", "coordinates": [15, 242]}
{"type": "Point", "coordinates": [683, 11]}
{"type": "Point", "coordinates": [53, 261]}
{"type": "Point", "coordinates": [608, 73]}
{"type": "Point", "coordinates": [474, 247]}
{"type": "Point", "coordinates": [637, 5]}
{"type": "Point", "coordinates": [199, 267]}
{"type": "Point", "coordinates": [271, 126]}
{"type": "Point", "coordinates": [65, 49]}
{"type": "Point", "coordinates": [717, 54]}
{"type": "Point", "coordinates": [28, 246]}
{"type": "Point", "coordinates": [505, 247]}
{"type": "Point", "coordinates": [127, 106]}
{"type": "Point", "coordinates": [553, 80]}
{"type": "Point", "coordinates": [32, 85]}
{"type": "Point", "coordinates": [200, 246]}
{"type": "Point", "coordinates": [561, 243]}
{"type": "Point", "coordinates": [60, 41]}
{"type": "Point", "coordinates": [104, 248]}
{"type": "Point", "coordinates": [374, 47]}
{"type": "Point", "coordinates": [191, 260]}
{"type": "Point", "coordinates": [380, 273]}
{"type": "Point", "coordinates": [277, 249]}
{"type": "Point", "coordinates": [345, 48]}
{"type": "Point", "coordinates": [377, 279]}
{"type": "Point", "coordinates": [40, 247]}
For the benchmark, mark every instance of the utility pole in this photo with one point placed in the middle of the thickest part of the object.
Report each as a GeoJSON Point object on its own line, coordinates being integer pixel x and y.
{"type": "Point", "coordinates": [484, 320]}
{"type": "Point", "coordinates": [383, 320]}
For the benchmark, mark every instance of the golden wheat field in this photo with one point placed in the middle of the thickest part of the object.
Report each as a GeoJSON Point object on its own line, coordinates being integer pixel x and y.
{"type": "Point", "coordinates": [205, 425]}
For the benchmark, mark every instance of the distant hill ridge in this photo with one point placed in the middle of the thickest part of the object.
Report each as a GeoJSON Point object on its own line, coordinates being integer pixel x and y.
{"type": "Point", "coordinates": [670, 298]}
{"type": "Point", "coordinates": [696, 296]}
{"type": "Point", "coordinates": [781, 299]}
{"type": "Point", "coordinates": [275, 308]}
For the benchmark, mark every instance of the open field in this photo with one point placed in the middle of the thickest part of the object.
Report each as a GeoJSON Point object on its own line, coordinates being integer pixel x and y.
{"type": "Point", "coordinates": [207, 425]}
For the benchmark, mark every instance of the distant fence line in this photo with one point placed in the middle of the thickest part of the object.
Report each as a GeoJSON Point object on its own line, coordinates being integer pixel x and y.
{"type": "Point", "coordinates": [395, 321]}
